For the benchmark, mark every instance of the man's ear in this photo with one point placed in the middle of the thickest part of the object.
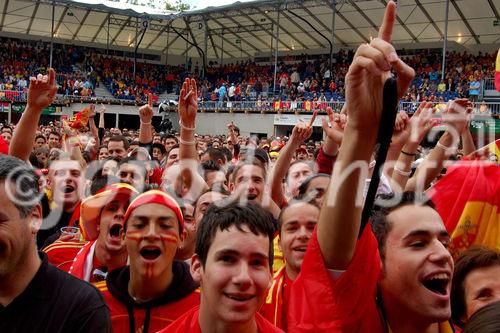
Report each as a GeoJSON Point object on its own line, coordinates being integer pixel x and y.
{"type": "Point", "coordinates": [196, 268]}
{"type": "Point", "coordinates": [36, 219]}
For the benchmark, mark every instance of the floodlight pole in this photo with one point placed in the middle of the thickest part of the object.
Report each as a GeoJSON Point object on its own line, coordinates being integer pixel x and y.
{"type": "Point", "coordinates": [276, 51]}
{"type": "Point", "coordinates": [168, 40]}
{"type": "Point", "coordinates": [443, 66]}
{"type": "Point", "coordinates": [136, 39]}
{"type": "Point", "coordinates": [107, 39]}
{"type": "Point", "coordinates": [334, 7]}
{"type": "Point", "coordinates": [222, 48]}
{"type": "Point", "coordinates": [205, 47]}
{"type": "Point", "coordinates": [52, 34]}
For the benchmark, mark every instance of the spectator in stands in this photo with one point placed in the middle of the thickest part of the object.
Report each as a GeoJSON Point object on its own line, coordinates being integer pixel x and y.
{"type": "Point", "coordinates": [118, 146]}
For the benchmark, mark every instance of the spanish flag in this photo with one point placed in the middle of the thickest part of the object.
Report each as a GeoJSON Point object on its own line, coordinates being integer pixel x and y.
{"type": "Point", "coordinates": [497, 72]}
{"type": "Point", "coordinates": [80, 120]}
{"type": "Point", "coordinates": [468, 200]}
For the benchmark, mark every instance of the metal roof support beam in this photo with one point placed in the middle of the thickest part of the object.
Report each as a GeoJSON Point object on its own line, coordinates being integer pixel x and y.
{"type": "Point", "coordinates": [213, 45]}
{"type": "Point", "coordinates": [248, 29]}
{"type": "Point", "coordinates": [237, 36]}
{"type": "Point", "coordinates": [151, 26]}
{"type": "Point", "coordinates": [81, 24]}
{"type": "Point", "coordinates": [32, 17]}
{"type": "Point", "coordinates": [282, 29]}
{"type": "Point", "coordinates": [332, 4]}
{"type": "Point", "coordinates": [362, 13]}
{"type": "Point", "coordinates": [493, 8]}
{"type": "Point", "coordinates": [100, 27]}
{"type": "Point", "coordinates": [61, 18]}
{"type": "Point", "coordinates": [270, 33]}
{"type": "Point", "coordinates": [324, 26]}
{"type": "Point", "coordinates": [423, 10]}
{"type": "Point", "coordinates": [314, 39]}
{"type": "Point", "coordinates": [190, 31]}
{"type": "Point", "coordinates": [158, 35]}
{"type": "Point", "coordinates": [5, 7]}
{"type": "Point", "coordinates": [120, 30]}
{"type": "Point", "coordinates": [170, 43]}
{"type": "Point", "coordinates": [476, 38]}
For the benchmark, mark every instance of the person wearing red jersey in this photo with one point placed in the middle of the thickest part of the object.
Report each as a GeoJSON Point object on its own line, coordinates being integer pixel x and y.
{"type": "Point", "coordinates": [296, 224]}
{"type": "Point", "coordinates": [154, 290]}
{"type": "Point", "coordinates": [101, 223]}
{"type": "Point", "coordinates": [233, 263]}
{"type": "Point", "coordinates": [397, 277]}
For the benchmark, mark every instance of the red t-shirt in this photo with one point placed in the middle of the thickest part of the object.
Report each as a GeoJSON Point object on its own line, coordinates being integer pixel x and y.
{"type": "Point", "coordinates": [61, 254]}
{"type": "Point", "coordinates": [319, 303]}
{"type": "Point", "coordinates": [160, 316]}
{"type": "Point", "coordinates": [275, 309]}
{"type": "Point", "coordinates": [189, 323]}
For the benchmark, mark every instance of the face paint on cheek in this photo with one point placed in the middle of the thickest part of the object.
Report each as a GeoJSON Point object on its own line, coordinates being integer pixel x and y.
{"type": "Point", "coordinates": [134, 235]}
{"type": "Point", "coordinates": [169, 237]}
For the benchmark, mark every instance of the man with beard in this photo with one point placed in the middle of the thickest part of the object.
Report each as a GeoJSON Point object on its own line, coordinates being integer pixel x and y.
{"type": "Point", "coordinates": [154, 290]}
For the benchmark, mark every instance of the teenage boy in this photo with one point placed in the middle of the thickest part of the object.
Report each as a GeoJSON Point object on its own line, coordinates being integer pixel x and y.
{"type": "Point", "coordinates": [233, 263]}
{"type": "Point", "coordinates": [154, 290]}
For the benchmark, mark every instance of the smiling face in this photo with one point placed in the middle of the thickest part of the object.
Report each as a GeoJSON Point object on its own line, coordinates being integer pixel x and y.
{"type": "Point", "coordinates": [152, 237]}
{"type": "Point", "coordinates": [297, 224]}
{"type": "Point", "coordinates": [249, 183]}
{"type": "Point", "coordinates": [481, 287]}
{"type": "Point", "coordinates": [417, 269]}
{"type": "Point", "coordinates": [296, 175]}
{"type": "Point", "coordinates": [236, 276]}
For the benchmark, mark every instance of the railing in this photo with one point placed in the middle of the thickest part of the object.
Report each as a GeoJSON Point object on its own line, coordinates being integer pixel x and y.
{"type": "Point", "coordinates": [489, 83]}
{"type": "Point", "coordinates": [247, 106]}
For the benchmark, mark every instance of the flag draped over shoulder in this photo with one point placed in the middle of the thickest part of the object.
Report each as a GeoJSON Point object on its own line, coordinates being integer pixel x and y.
{"type": "Point", "coordinates": [494, 148]}
{"type": "Point", "coordinates": [468, 200]}
{"type": "Point", "coordinates": [497, 72]}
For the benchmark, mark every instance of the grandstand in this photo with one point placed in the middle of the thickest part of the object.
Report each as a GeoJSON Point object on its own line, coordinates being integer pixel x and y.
{"type": "Point", "coordinates": [264, 57]}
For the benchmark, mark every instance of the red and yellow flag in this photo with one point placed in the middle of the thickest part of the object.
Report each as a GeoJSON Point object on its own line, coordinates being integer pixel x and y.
{"type": "Point", "coordinates": [468, 200]}
{"type": "Point", "coordinates": [497, 72]}
{"type": "Point", "coordinates": [80, 120]}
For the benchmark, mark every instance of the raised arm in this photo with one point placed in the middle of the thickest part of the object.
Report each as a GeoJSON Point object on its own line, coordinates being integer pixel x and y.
{"type": "Point", "coordinates": [455, 118]}
{"type": "Point", "coordinates": [188, 106]}
{"type": "Point", "coordinates": [419, 125]}
{"type": "Point", "coordinates": [41, 93]}
{"type": "Point", "coordinates": [146, 116]}
{"type": "Point", "coordinates": [300, 133]}
{"type": "Point", "coordinates": [340, 216]}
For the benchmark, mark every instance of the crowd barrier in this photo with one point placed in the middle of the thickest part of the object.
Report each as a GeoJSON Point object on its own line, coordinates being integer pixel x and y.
{"type": "Point", "coordinates": [492, 108]}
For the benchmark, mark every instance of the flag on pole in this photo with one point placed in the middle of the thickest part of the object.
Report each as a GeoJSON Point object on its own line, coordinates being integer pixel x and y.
{"type": "Point", "coordinates": [468, 200]}
{"type": "Point", "coordinates": [80, 120]}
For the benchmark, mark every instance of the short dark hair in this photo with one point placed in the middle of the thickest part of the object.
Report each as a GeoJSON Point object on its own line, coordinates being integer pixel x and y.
{"type": "Point", "coordinates": [161, 147]}
{"type": "Point", "coordinates": [471, 259]}
{"type": "Point", "coordinates": [41, 136]}
{"type": "Point", "coordinates": [133, 160]}
{"type": "Point", "coordinates": [227, 153]}
{"type": "Point", "coordinates": [254, 217]}
{"type": "Point", "coordinates": [210, 165]}
{"type": "Point", "coordinates": [101, 181]}
{"type": "Point", "coordinates": [379, 224]}
{"type": "Point", "coordinates": [215, 154]}
{"type": "Point", "coordinates": [25, 180]}
{"type": "Point", "coordinates": [170, 136]}
{"type": "Point", "coordinates": [215, 189]}
{"type": "Point", "coordinates": [305, 184]}
{"type": "Point", "coordinates": [120, 138]}
{"type": "Point", "coordinates": [56, 134]}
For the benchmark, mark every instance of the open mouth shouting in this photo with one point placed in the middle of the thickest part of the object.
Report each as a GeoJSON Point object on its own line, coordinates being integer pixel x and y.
{"type": "Point", "coordinates": [150, 253]}
{"type": "Point", "coordinates": [438, 283]}
{"type": "Point", "coordinates": [115, 232]}
{"type": "Point", "coordinates": [67, 189]}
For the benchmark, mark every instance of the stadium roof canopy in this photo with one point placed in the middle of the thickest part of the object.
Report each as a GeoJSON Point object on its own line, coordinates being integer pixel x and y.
{"type": "Point", "coordinates": [246, 29]}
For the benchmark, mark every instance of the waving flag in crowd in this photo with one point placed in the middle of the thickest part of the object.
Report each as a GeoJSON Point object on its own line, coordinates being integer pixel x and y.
{"type": "Point", "coordinates": [468, 200]}
{"type": "Point", "coordinates": [80, 120]}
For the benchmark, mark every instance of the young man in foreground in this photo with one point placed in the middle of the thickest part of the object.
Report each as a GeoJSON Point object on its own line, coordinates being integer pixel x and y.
{"type": "Point", "coordinates": [234, 254]}
{"type": "Point", "coordinates": [154, 290]}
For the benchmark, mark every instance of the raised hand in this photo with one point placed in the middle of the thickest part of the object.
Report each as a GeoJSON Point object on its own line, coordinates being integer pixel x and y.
{"type": "Point", "coordinates": [102, 109]}
{"type": "Point", "coordinates": [302, 131]}
{"type": "Point", "coordinates": [456, 115]}
{"type": "Point", "coordinates": [42, 90]}
{"type": "Point", "coordinates": [367, 74]}
{"type": "Point", "coordinates": [188, 103]}
{"type": "Point", "coordinates": [92, 112]}
{"type": "Point", "coordinates": [421, 122]}
{"type": "Point", "coordinates": [334, 130]}
{"type": "Point", "coordinates": [146, 111]}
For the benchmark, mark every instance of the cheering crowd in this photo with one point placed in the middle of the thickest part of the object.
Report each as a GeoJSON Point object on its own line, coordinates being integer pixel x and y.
{"type": "Point", "coordinates": [116, 230]}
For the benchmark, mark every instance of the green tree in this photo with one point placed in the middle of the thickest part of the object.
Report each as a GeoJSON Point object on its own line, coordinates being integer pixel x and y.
{"type": "Point", "coordinates": [178, 5]}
